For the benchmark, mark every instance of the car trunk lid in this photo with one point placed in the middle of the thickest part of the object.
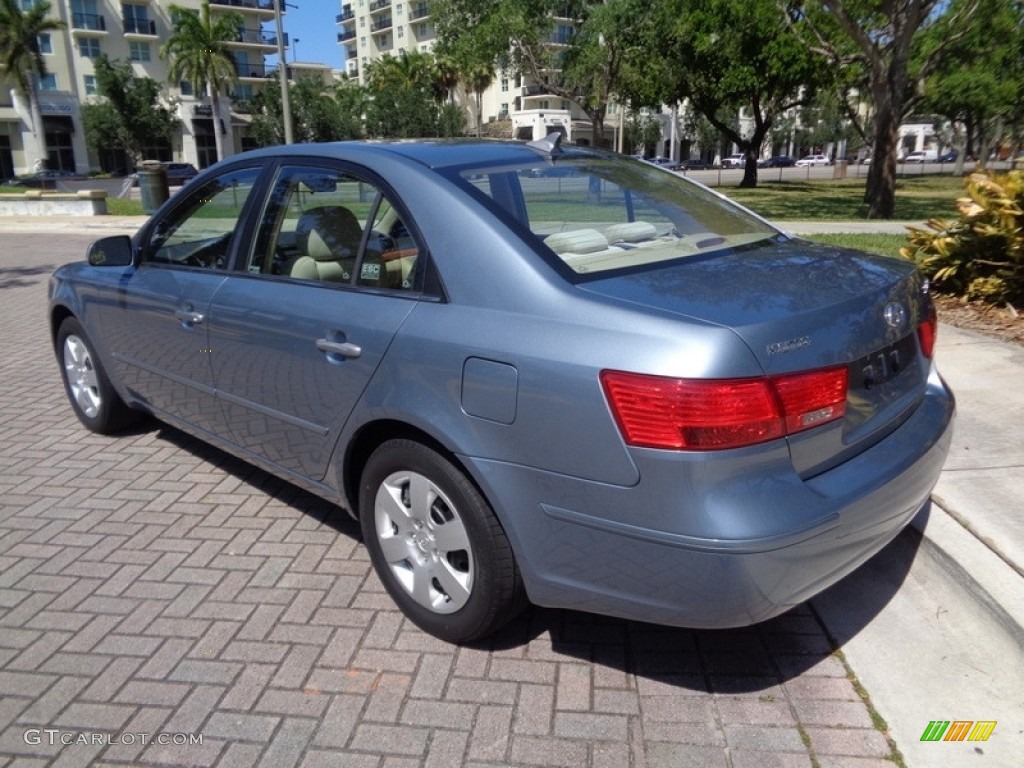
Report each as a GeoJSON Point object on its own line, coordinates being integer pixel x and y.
{"type": "Point", "coordinates": [801, 308]}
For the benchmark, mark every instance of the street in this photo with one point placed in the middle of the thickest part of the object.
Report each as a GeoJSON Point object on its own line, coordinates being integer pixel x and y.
{"type": "Point", "coordinates": [164, 603]}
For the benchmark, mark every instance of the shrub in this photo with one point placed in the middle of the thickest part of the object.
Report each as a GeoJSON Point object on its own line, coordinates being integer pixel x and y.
{"type": "Point", "coordinates": [980, 255]}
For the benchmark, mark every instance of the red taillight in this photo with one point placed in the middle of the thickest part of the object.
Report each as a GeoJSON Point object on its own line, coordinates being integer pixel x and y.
{"type": "Point", "coordinates": [926, 333]}
{"type": "Point", "coordinates": [703, 414]}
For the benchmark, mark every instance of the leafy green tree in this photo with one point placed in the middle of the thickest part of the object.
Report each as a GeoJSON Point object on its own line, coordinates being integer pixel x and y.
{"type": "Point", "coordinates": [723, 57]}
{"type": "Point", "coordinates": [878, 38]}
{"type": "Point", "coordinates": [196, 51]}
{"type": "Point", "coordinates": [581, 66]}
{"type": "Point", "coordinates": [644, 133]}
{"type": "Point", "coordinates": [320, 112]}
{"type": "Point", "coordinates": [129, 115]}
{"type": "Point", "coordinates": [979, 82]}
{"type": "Point", "coordinates": [22, 62]}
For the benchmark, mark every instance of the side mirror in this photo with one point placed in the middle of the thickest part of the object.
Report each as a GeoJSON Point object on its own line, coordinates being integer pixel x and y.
{"type": "Point", "coordinates": [115, 251]}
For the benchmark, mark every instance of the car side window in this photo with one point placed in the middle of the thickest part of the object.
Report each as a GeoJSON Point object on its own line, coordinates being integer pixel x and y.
{"type": "Point", "coordinates": [200, 232]}
{"type": "Point", "coordinates": [328, 226]}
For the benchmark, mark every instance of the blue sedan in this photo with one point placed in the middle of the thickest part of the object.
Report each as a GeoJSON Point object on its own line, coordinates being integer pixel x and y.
{"type": "Point", "coordinates": [533, 373]}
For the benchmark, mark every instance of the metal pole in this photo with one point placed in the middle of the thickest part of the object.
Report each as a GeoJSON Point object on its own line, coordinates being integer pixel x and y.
{"type": "Point", "coordinates": [282, 66]}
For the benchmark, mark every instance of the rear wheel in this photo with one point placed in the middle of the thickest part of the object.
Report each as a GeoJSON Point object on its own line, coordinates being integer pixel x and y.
{"type": "Point", "coordinates": [92, 396]}
{"type": "Point", "coordinates": [436, 544]}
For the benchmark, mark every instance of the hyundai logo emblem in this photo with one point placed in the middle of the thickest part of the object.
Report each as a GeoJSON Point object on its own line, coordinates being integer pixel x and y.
{"type": "Point", "coordinates": [895, 315]}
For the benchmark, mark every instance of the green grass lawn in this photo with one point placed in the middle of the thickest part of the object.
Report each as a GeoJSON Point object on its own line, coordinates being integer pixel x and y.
{"type": "Point", "coordinates": [887, 245]}
{"type": "Point", "coordinates": [917, 198]}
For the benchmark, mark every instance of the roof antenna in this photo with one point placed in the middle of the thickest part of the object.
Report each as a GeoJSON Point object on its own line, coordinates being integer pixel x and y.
{"type": "Point", "coordinates": [549, 145]}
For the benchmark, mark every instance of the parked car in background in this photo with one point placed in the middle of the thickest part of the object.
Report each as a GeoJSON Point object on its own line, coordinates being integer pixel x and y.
{"type": "Point", "coordinates": [778, 161]}
{"type": "Point", "coordinates": [813, 160]}
{"type": "Point", "coordinates": [51, 179]}
{"type": "Point", "coordinates": [948, 157]}
{"type": "Point", "coordinates": [696, 164]}
{"type": "Point", "coordinates": [922, 156]}
{"type": "Point", "coordinates": [663, 162]}
{"type": "Point", "coordinates": [734, 161]}
{"type": "Point", "coordinates": [615, 392]}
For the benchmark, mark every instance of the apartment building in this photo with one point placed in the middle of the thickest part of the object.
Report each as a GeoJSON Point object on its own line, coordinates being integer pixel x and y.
{"type": "Point", "coordinates": [132, 31]}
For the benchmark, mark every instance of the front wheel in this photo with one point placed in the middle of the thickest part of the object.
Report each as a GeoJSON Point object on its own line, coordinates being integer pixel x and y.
{"type": "Point", "coordinates": [92, 396]}
{"type": "Point", "coordinates": [436, 544]}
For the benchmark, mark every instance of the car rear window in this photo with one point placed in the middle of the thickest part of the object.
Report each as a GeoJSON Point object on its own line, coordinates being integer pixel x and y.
{"type": "Point", "coordinates": [603, 213]}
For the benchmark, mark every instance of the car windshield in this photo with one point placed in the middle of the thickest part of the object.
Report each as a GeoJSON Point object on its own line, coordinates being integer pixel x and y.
{"type": "Point", "coordinates": [599, 213]}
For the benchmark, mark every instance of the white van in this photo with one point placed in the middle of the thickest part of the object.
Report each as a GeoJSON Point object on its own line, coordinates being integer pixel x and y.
{"type": "Point", "coordinates": [923, 156]}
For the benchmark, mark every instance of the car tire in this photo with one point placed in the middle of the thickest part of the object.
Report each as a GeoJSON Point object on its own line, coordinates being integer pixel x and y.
{"type": "Point", "coordinates": [436, 544]}
{"type": "Point", "coordinates": [88, 388]}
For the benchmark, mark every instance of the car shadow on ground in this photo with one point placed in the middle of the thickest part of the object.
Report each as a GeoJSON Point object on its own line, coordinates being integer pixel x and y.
{"type": "Point", "coordinates": [21, 277]}
{"type": "Point", "coordinates": [751, 660]}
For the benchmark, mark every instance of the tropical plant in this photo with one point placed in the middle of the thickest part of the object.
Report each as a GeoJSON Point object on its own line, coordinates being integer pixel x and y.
{"type": "Point", "coordinates": [404, 101]}
{"type": "Point", "coordinates": [196, 51]}
{"type": "Point", "coordinates": [129, 115]}
{"type": "Point", "coordinates": [22, 62]}
{"type": "Point", "coordinates": [980, 255]}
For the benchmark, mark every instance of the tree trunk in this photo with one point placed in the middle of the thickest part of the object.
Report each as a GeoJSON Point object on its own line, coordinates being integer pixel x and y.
{"type": "Point", "coordinates": [218, 138]}
{"type": "Point", "coordinates": [880, 192]}
{"type": "Point", "coordinates": [38, 131]}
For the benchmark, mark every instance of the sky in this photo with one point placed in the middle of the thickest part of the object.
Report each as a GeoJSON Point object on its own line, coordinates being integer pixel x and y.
{"type": "Point", "coordinates": [312, 22]}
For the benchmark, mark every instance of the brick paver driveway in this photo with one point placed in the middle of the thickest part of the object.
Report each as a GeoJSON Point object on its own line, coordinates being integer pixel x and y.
{"type": "Point", "coordinates": [156, 593]}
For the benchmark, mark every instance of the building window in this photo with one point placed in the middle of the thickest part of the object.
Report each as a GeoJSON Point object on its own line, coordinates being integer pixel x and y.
{"type": "Point", "coordinates": [565, 104]}
{"type": "Point", "coordinates": [138, 51]}
{"type": "Point", "coordinates": [544, 104]}
{"type": "Point", "coordinates": [90, 85]}
{"type": "Point", "coordinates": [504, 85]}
{"type": "Point", "coordinates": [185, 87]}
{"type": "Point", "coordinates": [401, 32]}
{"type": "Point", "coordinates": [136, 19]}
{"type": "Point", "coordinates": [45, 43]}
{"type": "Point", "coordinates": [89, 47]}
{"type": "Point", "coordinates": [48, 82]}
{"type": "Point", "coordinates": [398, 9]}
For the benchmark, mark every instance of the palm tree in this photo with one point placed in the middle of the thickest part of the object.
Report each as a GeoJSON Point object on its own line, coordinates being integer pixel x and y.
{"type": "Point", "coordinates": [196, 52]}
{"type": "Point", "coordinates": [478, 76]}
{"type": "Point", "coordinates": [22, 62]}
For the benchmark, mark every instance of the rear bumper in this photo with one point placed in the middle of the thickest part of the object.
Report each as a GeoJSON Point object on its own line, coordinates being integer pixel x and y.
{"type": "Point", "coordinates": [692, 546]}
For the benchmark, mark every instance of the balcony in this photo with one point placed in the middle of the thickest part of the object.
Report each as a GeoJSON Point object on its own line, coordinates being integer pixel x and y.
{"type": "Point", "coordinates": [347, 35]}
{"type": "Point", "coordinates": [379, 5]}
{"type": "Point", "coordinates": [88, 23]}
{"type": "Point", "coordinates": [145, 27]}
{"type": "Point", "coordinates": [259, 37]}
{"type": "Point", "coordinates": [267, 6]}
{"type": "Point", "coordinates": [255, 71]}
{"type": "Point", "coordinates": [420, 11]}
{"type": "Point", "coordinates": [380, 25]}
{"type": "Point", "coordinates": [346, 15]}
